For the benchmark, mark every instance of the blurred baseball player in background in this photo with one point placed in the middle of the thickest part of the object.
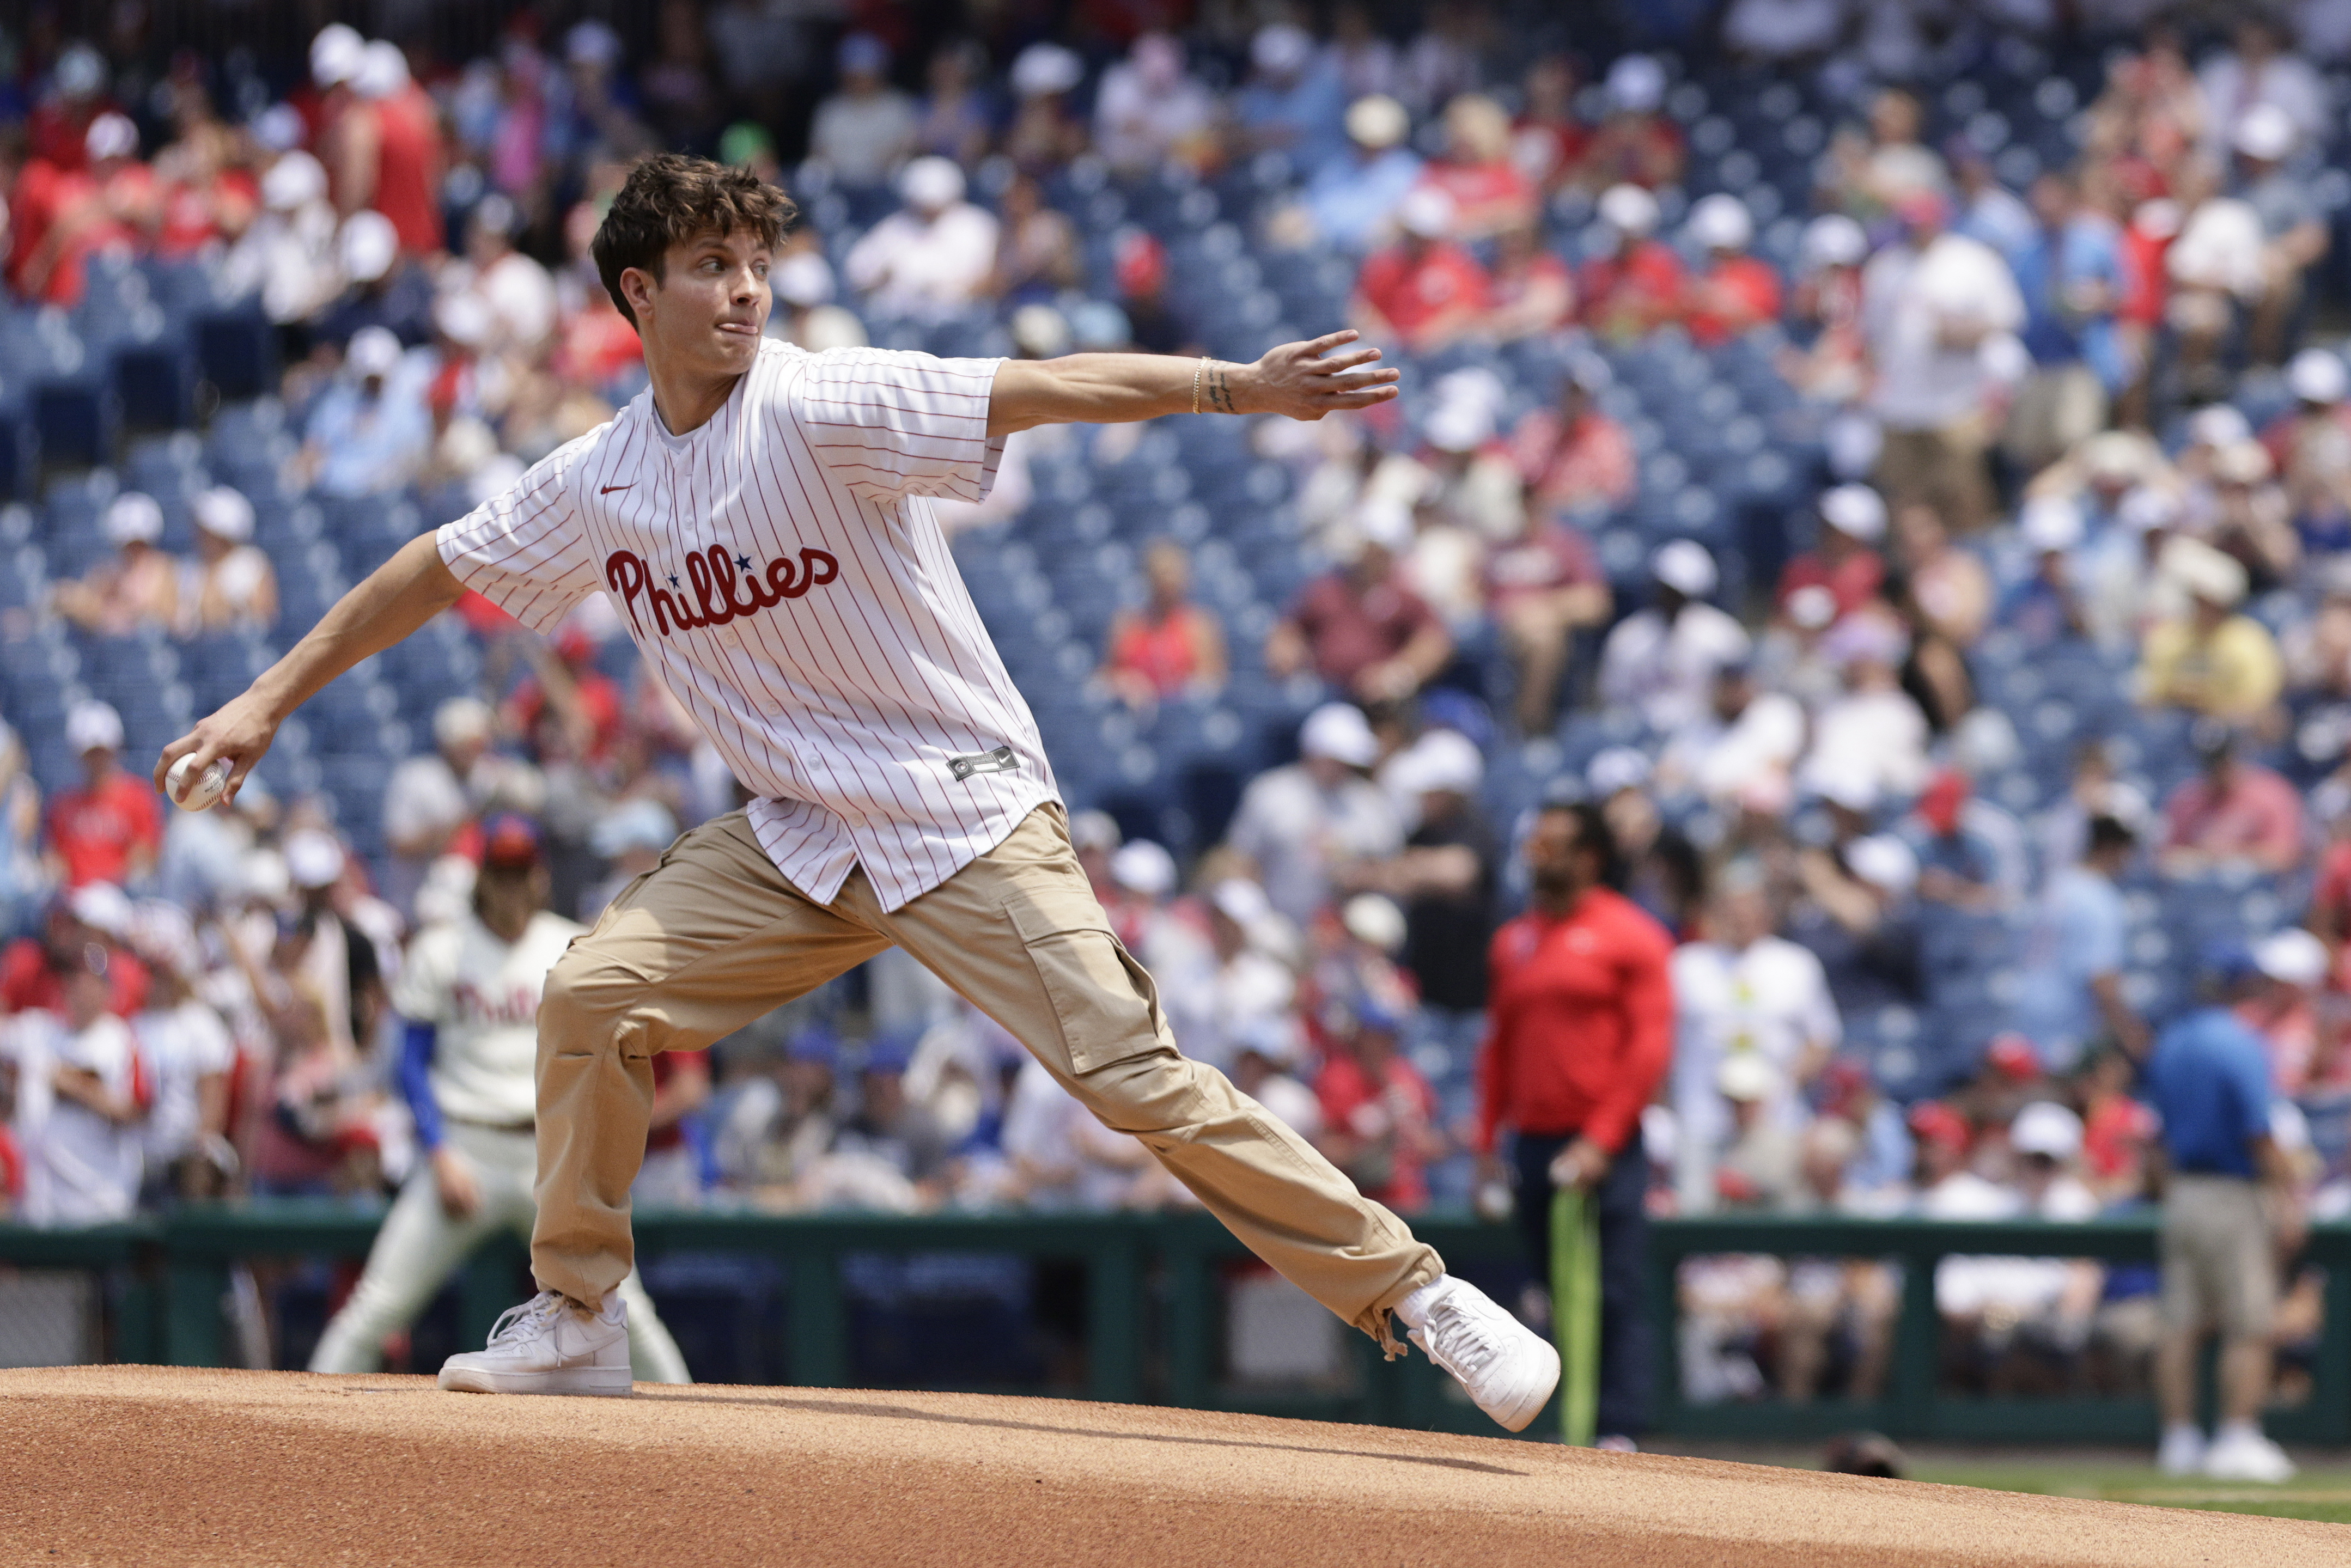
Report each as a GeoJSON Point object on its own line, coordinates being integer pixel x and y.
{"type": "Point", "coordinates": [469, 996]}
{"type": "Point", "coordinates": [762, 518]}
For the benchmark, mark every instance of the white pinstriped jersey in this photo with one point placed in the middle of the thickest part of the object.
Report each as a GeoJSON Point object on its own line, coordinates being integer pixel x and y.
{"type": "Point", "coordinates": [782, 571]}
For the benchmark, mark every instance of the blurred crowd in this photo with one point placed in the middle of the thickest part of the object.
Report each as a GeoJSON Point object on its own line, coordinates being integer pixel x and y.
{"type": "Point", "coordinates": [1934, 768]}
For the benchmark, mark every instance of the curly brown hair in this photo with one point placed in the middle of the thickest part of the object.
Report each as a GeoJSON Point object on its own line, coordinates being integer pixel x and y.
{"type": "Point", "coordinates": [671, 198]}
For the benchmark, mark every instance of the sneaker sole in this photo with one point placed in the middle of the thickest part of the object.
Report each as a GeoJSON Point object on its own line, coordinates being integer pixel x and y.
{"type": "Point", "coordinates": [600, 1381]}
{"type": "Point", "coordinates": [1517, 1417]}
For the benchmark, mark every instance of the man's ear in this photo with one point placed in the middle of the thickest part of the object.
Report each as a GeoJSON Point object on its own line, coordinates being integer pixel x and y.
{"type": "Point", "coordinates": [637, 288]}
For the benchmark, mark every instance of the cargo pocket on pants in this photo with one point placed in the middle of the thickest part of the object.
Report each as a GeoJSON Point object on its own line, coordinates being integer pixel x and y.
{"type": "Point", "coordinates": [1104, 1007]}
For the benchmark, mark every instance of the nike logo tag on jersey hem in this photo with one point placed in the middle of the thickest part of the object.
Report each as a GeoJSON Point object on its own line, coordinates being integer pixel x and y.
{"type": "Point", "coordinates": [999, 760]}
{"type": "Point", "coordinates": [609, 488]}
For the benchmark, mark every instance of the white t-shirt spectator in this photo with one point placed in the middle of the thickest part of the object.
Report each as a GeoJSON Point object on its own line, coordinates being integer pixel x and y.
{"type": "Point", "coordinates": [181, 1047]}
{"type": "Point", "coordinates": [863, 137]}
{"type": "Point", "coordinates": [911, 266]}
{"type": "Point", "coordinates": [1880, 736]}
{"type": "Point", "coordinates": [1720, 760]}
{"type": "Point", "coordinates": [1137, 119]}
{"type": "Point", "coordinates": [1667, 670]}
{"type": "Point", "coordinates": [79, 1167]}
{"type": "Point", "coordinates": [520, 296]}
{"type": "Point", "coordinates": [2288, 81]}
{"type": "Point", "coordinates": [1910, 300]}
{"type": "Point", "coordinates": [1771, 997]}
{"type": "Point", "coordinates": [1299, 833]}
{"type": "Point", "coordinates": [2220, 249]}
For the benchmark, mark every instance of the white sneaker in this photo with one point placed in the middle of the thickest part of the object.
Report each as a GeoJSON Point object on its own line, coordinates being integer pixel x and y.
{"type": "Point", "coordinates": [2247, 1456]}
{"type": "Point", "coordinates": [549, 1345]}
{"type": "Point", "coordinates": [2182, 1451]}
{"type": "Point", "coordinates": [1508, 1369]}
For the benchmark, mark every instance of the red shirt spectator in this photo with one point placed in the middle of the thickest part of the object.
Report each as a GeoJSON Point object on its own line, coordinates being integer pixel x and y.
{"type": "Point", "coordinates": [2236, 812]}
{"type": "Point", "coordinates": [28, 978]}
{"type": "Point", "coordinates": [668, 1065]}
{"type": "Point", "coordinates": [408, 167]}
{"type": "Point", "coordinates": [1633, 290]}
{"type": "Point", "coordinates": [1380, 1117]}
{"type": "Point", "coordinates": [60, 216]}
{"type": "Point", "coordinates": [1737, 293]}
{"type": "Point", "coordinates": [2330, 910]}
{"type": "Point", "coordinates": [1549, 556]}
{"type": "Point", "coordinates": [1854, 578]}
{"type": "Point", "coordinates": [1486, 197]}
{"type": "Point", "coordinates": [1422, 291]}
{"type": "Point", "coordinates": [1350, 625]}
{"type": "Point", "coordinates": [1580, 1022]}
{"type": "Point", "coordinates": [1576, 457]}
{"type": "Point", "coordinates": [108, 829]}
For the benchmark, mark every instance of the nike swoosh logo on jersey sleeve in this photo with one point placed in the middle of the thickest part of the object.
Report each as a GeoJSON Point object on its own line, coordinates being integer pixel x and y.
{"type": "Point", "coordinates": [609, 488]}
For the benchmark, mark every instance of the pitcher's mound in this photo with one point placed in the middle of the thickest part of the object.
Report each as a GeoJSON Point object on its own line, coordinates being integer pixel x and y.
{"type": "Point", "coordinates": [162, 1465]}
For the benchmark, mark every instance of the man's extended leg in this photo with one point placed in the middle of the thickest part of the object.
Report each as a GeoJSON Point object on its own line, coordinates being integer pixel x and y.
{"type": "Point", "coordinates": [700, 945]}
{"type": "Point", "coordinates": [418, 1246]}
{"type": "Point", "coordinates": [1018, 933]}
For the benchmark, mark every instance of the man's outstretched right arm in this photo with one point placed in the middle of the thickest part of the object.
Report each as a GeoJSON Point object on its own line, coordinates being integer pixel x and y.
{"type": "Point", "coordinates": [396, 598]}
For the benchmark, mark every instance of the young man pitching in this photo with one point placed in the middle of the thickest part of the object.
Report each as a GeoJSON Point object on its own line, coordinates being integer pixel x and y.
{"type": "Point", "coordinates": [762, 519]}
{"type": "Point", "coordinates": [469, 994]}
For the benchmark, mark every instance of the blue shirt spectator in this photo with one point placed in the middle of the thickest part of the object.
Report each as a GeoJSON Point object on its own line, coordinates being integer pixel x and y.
{"type": "Point", "coordinates": [370, 431]}
{"type": "Point", "coordinates": [1294, 103]}
{"type": "Point", "coordinates": [2076, 943]}
{"type": "Point", "coordinates": [1351, 198]}
{"type": "Point", "coordinates": [2209, 1081]}
{"type": "Point", "coordinates": [2070, 272]}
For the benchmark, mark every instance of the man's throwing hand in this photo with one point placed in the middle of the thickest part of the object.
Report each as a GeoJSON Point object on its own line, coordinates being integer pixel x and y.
{"type": "Point", "coordinates": [1298, 379]}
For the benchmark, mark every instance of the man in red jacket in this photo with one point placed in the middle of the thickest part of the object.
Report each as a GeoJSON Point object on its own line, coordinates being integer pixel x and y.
{"type": "Point", "coordinates": [1578, 1034]}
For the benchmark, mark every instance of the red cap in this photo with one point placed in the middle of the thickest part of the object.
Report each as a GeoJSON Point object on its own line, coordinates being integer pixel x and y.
{"type": "Point", "coordinates": [1939, 805]}
{"type": "Point", "coordinates": [509, 842]}
{"type": "Point", "coordinates": [2014, 1057]}
{"type": "Point", "coordinates": [573, 645]}
{"type": "Point", "coordinates": [1141, 263]}
{"type": "Point", "coordinates": [1923, 207]}
{"type": "Point", "coordinates": [1932, 1121]}
{"type": "Point", "coordinates": [1841, 1083]}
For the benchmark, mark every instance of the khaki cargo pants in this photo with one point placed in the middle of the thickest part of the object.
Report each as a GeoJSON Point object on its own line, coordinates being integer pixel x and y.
{"type": "Point", "coordinates": [715, 936]}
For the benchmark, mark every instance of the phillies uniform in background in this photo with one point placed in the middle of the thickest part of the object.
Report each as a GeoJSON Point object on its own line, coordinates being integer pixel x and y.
{"type": "Point", "coordinates": [471, 1002]}
{"type": "Point", "coordinates": [1579, 1035]}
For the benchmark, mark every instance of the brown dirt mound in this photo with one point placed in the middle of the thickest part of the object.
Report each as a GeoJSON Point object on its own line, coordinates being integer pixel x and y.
{"type": "Point", "coordinates": [162, 1465]}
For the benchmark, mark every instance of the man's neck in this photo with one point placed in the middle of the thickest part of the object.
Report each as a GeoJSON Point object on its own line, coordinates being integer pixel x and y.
{"type": "Point", "coordinates": [687, 402]}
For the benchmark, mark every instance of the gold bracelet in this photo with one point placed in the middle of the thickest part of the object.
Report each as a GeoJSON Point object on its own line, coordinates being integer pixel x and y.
{"type": "Point", "coordinates": [1195, 381]}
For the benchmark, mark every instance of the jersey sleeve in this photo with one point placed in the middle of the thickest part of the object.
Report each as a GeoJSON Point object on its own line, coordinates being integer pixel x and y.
{"type": "Point", "coordinates": [900, 423]}
{"type": "Point", "coordinates": [422, 994]}
{"type": "Point", "coordinates": [527, 551]}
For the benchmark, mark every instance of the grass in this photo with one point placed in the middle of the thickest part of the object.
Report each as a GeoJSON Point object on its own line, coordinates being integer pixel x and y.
{"type": "Point", "coordinates": [2319, 1493]}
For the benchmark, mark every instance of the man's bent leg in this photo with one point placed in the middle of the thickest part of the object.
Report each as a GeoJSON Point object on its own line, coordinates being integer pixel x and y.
{"type": "Point", "coordinates": [1019, 933]}
{"type": "Point", "coordinates": [708, 940]}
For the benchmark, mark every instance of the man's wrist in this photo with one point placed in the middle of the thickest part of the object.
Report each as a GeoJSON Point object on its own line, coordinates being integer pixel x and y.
{"type": "Point", "coordinates": [1228, 388]}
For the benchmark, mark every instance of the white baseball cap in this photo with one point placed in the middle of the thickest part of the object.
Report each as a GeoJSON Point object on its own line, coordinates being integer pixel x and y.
{"type": "Point", "coordinates": [2146, 509]}
{"type": "Point", "coordinates": [102, 906]}
{"type": "Point", "coordinates": [1636, 84]}
{"type": "Point", "coordinates": [1425, 213]}
{"type": "Point", "coordinates": [802, 278]}
{"type": "Point", "coordinates": [295, 180]}
{"type": "Point", "coordinates": [336, 53]}
{"type": "Point", "coordinates": [1835, 240]}
{"type": "Point", "coordinates": [1856, 511]}
{"type": "Point", "coordinates": [110, 135]}
{"type": "Point", "coordinates": [93, 727]}
{"type": "Point", "coordinates": [931, 182]}
{"type": "Point", "coordinates": [1721, 221]}
{"type": "Point", "coordinates": [1684, 566]}
{"type": "Point", "coordinates": [1459, 425]}
{"type": "Point", "coordinates": [1373, 919]}
{"type": "Point", "coordinates": [2266, 133]}
{"type": "Point", "coordinates": [1376, 120]}
{"type": "Point", "coordinates": [1281, 49]}
{"type": "Point", "coordinates": [1441, 760]}
{"type": "Point", "coordinates": [373, 351]}
{"type": "Point", "coordinates": [1340, 732]}
{"type": "Point", "coordinates": [367, 245]}
{"type": "Point", "coordinates": [1745, 1077]}
{"type": "Point", "coordinates": [1617, 767]}
{"type": "Point", "coordinates": [2293, 957]}
{"type": "Point", "coordinates": [1883, 860]}
{"type": "Point", "coordinates": [1043, 70]}
{"type": "Point", "coordinates": [2045, 1127]}
{"type": "Point", "coordinates": [1629, 209]}
{"type": "Point", "coordinates": [224, 514]}
{"type": "Point", "coordinates": [2315, 375]}
{"type": "Point", "coordinates": [2219, 424]}
{"type": "Point", "coordinates": [1812, 607]}
{"type": "Point", "coordinates": [1143, 867]}
{"type": "Point", "coordinates": [384, 71]}
{"type": "Point", "coordinates": [1240, 901]}
{"type": "Point", "coordinates": [1385, 522]}
{"type": "Point", "coordinates": [134, 517]}
{"type": "Point", "coordinates": [2051, 523]}
{"type": "Point", "coordinates": [460, 721]}
{"type": "Point", "coordinates": [162, 934]}
{"type": "Point", "coordinates": [313, 859]}
{"type": "Point", "coordinates": [1095, 830]}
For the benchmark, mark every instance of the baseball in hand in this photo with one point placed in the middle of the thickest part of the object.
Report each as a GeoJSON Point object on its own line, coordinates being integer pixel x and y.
{"type": "Point", "coordinates": [191, 793]}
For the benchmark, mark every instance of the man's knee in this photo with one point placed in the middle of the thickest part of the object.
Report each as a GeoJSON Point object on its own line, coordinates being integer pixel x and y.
{"type": "Point", "coordinates": [1158, 1091]}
